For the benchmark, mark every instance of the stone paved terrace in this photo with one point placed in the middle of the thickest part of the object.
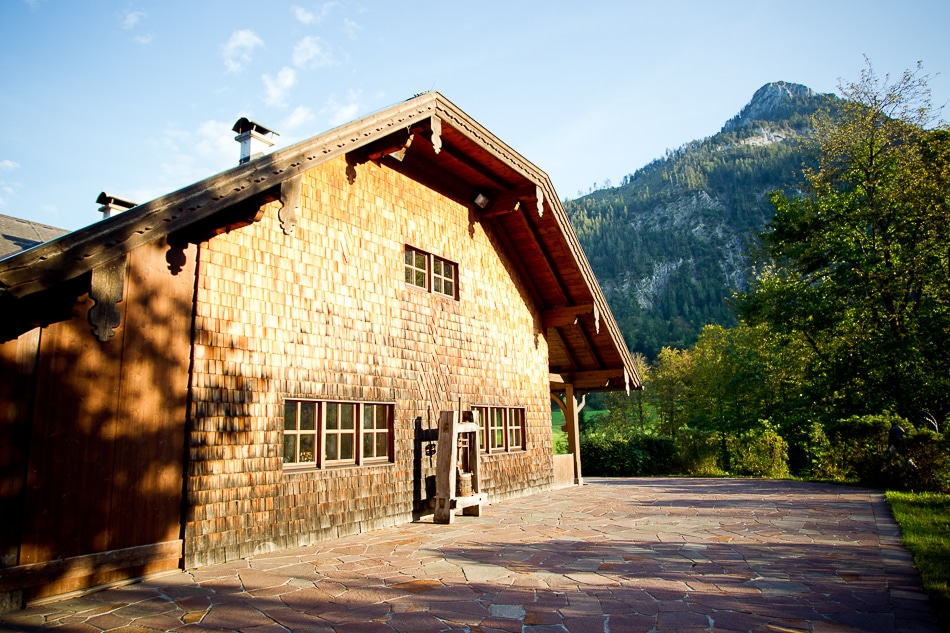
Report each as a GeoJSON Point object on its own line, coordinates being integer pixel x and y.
{"type": "Point", "coordinates": [615, 555]}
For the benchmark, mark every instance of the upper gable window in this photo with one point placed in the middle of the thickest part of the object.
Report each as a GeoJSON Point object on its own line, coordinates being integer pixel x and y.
{"type": "Point", "coordinates": [431, 273]}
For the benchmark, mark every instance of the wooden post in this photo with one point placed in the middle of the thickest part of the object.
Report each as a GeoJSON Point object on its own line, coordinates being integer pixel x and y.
{"type": "Point", "coordinates": [571, 412]}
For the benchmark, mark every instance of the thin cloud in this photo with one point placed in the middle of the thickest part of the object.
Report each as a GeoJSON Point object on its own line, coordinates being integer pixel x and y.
{"type": "Point", "coordinates": [303, 16]}
{"type": "Point", "coordinates": [301, 116]}
{"type": "Point", "coordinates": [237, 51]}
{"type": "Point", "coordinates": [340, 113]}
{"type": "Point", "coordinates": [277, 88]}
{"type": "Point", "coordinates": [8, 165]}
{"type": "Point", "coordinates": [312, 52]}
{"type": "Point", "coordinates": [144, 39]}
{"type": "Point", "coordinates": [131, 18]}
{"type": "Point", "coordinates": [351, 28]}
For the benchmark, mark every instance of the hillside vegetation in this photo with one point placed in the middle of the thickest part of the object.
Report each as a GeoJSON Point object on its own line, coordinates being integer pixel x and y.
{"type": "Point", "coordinates": [670, 244]}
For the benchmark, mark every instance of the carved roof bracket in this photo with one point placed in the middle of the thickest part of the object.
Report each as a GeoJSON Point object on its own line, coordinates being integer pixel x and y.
{"type": "Point", "coordinates": [290, 203]}
{"type": "Point", "coordinates": [107, 288]}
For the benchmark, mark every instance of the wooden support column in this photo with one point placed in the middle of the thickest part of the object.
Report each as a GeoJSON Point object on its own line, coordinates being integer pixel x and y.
{"type": "Point", "coordinates": [571, 409]}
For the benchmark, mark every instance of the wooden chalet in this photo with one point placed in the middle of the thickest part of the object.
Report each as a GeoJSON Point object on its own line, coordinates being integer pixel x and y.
{"type": "Point", "coordinates": [260, 360]}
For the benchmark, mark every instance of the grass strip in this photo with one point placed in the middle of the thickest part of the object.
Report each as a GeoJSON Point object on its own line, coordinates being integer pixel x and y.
{"type": "Point", "coordinates": [924, 519]}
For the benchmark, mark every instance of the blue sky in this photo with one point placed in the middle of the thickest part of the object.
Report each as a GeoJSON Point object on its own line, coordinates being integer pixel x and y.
{"type": "Point", "coordinates": [138, 98]}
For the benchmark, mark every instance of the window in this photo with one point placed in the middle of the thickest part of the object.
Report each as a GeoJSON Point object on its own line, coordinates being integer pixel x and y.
{"type": "Point", "coordinates": [502, 429]}
{"type": "Point", "coordinates": [417, 268]}
{"type": "Point", "coordinates": [323, 434]}
{"type": "Point", "coordinates": [431, 273]}
{"type": "Point", "coordinates": [443, 277]}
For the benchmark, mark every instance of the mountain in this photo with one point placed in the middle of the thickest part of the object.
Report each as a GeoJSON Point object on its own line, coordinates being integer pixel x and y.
{"type": "Point", "coordinates": [670, 244]}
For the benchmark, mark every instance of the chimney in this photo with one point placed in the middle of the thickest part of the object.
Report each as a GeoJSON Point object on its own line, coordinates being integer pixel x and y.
{"type": "Point", "coordinates": [112, 205]}
{"type": "Point", "coordinates": [253, 138]}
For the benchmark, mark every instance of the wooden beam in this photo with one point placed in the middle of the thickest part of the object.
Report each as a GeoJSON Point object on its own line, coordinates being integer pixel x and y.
{"type": "Point", "coordinates": [35, 574]}
{"type": "Point", "coordinates": [535, 240]}
{"type": "Point", "coordinates": [567, 315]}
{"type": "Point", "coordinates": [507, 202]}
{"type": "Point", "coordinates": [598, 380]}
{"type": "Point", "coordinates": [556, 336]}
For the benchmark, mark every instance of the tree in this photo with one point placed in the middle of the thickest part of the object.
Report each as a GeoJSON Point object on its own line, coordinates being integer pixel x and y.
{"type": "Point", "coordinates": [858, 264]}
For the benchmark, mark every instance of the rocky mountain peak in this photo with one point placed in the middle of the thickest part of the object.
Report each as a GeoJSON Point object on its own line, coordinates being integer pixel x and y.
{"type": "Point", "coordinates": [771, 101]}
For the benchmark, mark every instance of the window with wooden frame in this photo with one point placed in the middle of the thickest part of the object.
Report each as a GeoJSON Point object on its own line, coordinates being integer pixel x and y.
{"type": "Point", "coordinates": [502, 429]}
{"type": "Point", "coordinates": [428, 272]}
{"type": "Point", "coordinates": [325, 434]}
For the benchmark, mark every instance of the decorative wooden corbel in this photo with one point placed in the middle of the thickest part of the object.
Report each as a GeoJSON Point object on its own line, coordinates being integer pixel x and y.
{"type": "Point", "coordinates": [436, 124]}
{"type": "Point", "coordinates": [596, 319]}
{"type": "Point", "coordinates": [540, 196]}
{"type": "Point", "coordinates": [106, 289]}
{"type": "Point", "coordinates": [289, 204]}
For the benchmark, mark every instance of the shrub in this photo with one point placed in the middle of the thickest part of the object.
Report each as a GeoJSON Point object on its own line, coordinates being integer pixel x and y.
{"type": "Point", "coordinates": [857, 448]}
{"type": "Point", "coordinates": [699, 453]}
{"type": "Point", "coordinates": [921, 463]}
{"type": "Point", "coordinates": [759, 452]}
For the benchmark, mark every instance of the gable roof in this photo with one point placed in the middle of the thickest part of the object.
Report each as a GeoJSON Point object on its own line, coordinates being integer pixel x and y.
{"type": "Point", "coordinates": [17, 234]}
{"type": "Point", "coordinates": [428, 139]}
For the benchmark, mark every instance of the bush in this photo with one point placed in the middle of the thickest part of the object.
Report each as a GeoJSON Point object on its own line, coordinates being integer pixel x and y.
{"type": "Point", "coordinates": [759, 452]}
{"type": "Point", "coordinates": [857, 448]}
{"type": "Point", "coordinates": [636, 456]}
{"type": "Point", "coordinates": [699, 453]}
{"type": "Point", "coordinates": [611, 456]}
{"type": "Point", "coordinates": [921, 463]}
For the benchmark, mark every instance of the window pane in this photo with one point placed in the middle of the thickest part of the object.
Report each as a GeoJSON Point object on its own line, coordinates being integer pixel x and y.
{"type": "Point", "coordinates": [368, 444]}
{"type": "Point", "coordinates": [449, 272]}
{"type": "Point", "coordinates": [437, 267]}
{"type": "Point", "coordinates": [437, 284]}
{"type": "Point", "coordinates": [290, 449]}
{"type": "Point", "coordinates": [308, 416]}
{"type": "Point", "coordinates": [449, 288]}
{"type": "Point", "coordinates": [346, 446]}
{"type": "Point", "coordinates": [382, 417]}
{"type": "Point", "coordinates": [346, 416]}
{"type": "Point", "coordinates": [290, 416]}
{"type": "Point", "coordinates": [409, 256]}
{"type": "Point", "coordinates": [331, 414]}
{"type": "Point", "coordinates": [367, 416]}
{"type": "Point", "coordinates": [408, 275]}
{"type": "Point", "coordinates": [420, 279]}
{"type": "Point", "coordinates": [382, 445]}
{"type": "Point", "coordinates": [331, 441]}
{"type": "Point", "coordinates": [420, 261]}
{"type": "Point", "coordinates": [306, 447]}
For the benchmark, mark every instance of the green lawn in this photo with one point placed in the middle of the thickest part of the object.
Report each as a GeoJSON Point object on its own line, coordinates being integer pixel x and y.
{"type": "Point", "coordinates": [924, 519]}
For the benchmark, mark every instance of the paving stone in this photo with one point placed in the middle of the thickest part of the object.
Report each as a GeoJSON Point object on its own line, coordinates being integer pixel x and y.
{"type": "Point", "coordinates": [618, 554]}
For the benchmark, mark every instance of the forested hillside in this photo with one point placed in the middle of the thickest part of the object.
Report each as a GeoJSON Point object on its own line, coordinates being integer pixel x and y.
{"type": "Point", "coordinates": [669, 245]}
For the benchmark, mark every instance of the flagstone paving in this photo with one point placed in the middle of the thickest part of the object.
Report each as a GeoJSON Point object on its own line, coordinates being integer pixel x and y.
{"type": "Point", "coordinates": [613, 556]}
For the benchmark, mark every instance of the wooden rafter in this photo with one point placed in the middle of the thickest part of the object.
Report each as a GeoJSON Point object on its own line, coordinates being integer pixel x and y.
{"type": "Point", "coordinates": [556, 336]}
{"type": "Point", "coordinates": [566, 315]}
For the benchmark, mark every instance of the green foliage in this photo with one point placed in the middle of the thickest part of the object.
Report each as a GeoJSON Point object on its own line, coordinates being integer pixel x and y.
{"type": "Point", "coordinates": [699, 453]}
{"type": "Point", "coordinates": [921, 463]}
{"type": "Point", "coordinates": [857, 267]}
{"type": "Point", "coordinates": [759, 452]}
{"type": "Point", "coordinates": [857, 448]}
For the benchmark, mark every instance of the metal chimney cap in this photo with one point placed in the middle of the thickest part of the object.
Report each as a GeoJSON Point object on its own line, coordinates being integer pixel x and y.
{"type": "Point", "coordinates": [108, 199]}
{"type": "Point", "coordinates": [246, 125]}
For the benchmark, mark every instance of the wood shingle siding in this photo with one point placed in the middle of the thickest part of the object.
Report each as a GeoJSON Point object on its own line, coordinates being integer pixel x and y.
{"type": "Point", "coordinates": [325, 314]}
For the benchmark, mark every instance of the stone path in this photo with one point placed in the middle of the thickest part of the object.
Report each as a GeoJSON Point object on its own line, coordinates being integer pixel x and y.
{"type": "Point", "coordinates": [616, 555]}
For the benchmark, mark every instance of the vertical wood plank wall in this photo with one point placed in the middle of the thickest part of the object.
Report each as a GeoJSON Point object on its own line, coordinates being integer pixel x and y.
{"type": "Point", "coordinates": [106, 445]}
{"type": "Point", "coordinates": [324, 313]}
